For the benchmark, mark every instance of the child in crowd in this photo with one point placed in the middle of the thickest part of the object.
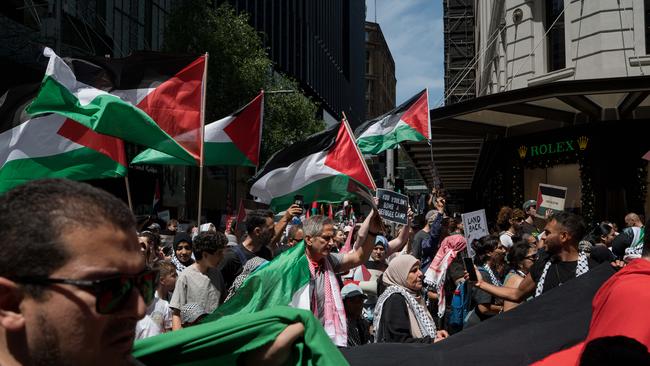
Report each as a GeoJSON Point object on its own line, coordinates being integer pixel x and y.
{"type": "Point", "coordinates": [158, 318]}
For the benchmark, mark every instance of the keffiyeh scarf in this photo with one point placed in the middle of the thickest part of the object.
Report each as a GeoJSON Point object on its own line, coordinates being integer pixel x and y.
{"type": "Point", "coordinates": [425, 323]}
{"type": "Point", "coordinates": [581, 268]}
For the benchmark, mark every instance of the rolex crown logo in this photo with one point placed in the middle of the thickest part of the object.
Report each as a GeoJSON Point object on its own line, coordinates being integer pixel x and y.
{"type": "Point", "coordinates": [522, 151]}
{"type": "Point", "coordinates": [582, 142]}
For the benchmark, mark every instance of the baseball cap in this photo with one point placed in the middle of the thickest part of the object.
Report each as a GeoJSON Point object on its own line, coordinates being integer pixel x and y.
{"type": "Point", "coordinates": [529, 203]}
{"type": "Point", "coordinates": [191, 312]}
{"type": "Point", "coordinates": [351, 290]}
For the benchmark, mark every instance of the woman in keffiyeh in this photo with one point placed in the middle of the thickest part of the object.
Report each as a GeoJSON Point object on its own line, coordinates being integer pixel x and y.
{"type": "Point", "coordinates": [401, 315]}
{"type": "Point", "coordinates": [182, 257]}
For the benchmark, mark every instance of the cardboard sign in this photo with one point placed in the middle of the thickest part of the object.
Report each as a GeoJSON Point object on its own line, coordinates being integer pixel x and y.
{"type": "Point", "coordinates": [393, 206]}
{"type": "Point", "coordinates": [550, 198]}
{"type": "Point", "coordinates": [475, 227]}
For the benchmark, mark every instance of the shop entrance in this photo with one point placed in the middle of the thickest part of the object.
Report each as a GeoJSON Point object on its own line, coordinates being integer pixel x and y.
{"type": "Point", "coordinates": [566, 175]}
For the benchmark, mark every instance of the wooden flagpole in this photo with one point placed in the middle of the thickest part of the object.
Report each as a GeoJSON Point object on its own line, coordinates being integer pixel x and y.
{"type": "Point", "coordinates": [203, 92]}
{"type": "Point", "coordinates": [128, 192]}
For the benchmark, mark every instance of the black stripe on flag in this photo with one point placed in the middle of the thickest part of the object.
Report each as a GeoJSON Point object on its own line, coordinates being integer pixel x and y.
{"type": "Point", "coordinates": [392, 115]}
{"type": "Point", "coordinates": [13, 103]}
{"type": "Point", "coordinates": [313, 144]}
{"type": "Point", "coordinates": [553, 192]}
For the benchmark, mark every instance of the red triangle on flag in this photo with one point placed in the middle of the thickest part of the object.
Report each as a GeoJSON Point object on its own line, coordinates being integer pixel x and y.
{"type": "Point", "coordinates": [417, 116]}
{"type": "Point", "coordinates": [175, 105]}
{"type": "Point", "coordinates": [246, 129]}
{"type": "Point", "coordinates": [346, 158]}
{"type": "Point", "coordinates": [110, 146]}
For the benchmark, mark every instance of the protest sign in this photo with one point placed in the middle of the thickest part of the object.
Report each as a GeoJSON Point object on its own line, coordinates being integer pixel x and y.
{"type": "Point", "coordinates": [393, 206]}
{"type": "Point", "coordinates": [550, 198]}
{"type": "Point", "coordinates": [475, 227]}
{"type": "Point", "coordinates": [164, 215]}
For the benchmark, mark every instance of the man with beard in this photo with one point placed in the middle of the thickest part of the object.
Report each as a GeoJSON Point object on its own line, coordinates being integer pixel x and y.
{"type": "Point", "coordinates": [68, 246]}
{"type": "Point", "coordinates": [560, 263]}
{"type": "Point", "coordinates": [261, 231]}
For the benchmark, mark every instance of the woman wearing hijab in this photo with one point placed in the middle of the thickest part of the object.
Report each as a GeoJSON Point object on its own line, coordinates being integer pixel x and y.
{"type": "Point", "coordinates": [400, 314]}
{"type": "Point", "coordinates": [182, 257]}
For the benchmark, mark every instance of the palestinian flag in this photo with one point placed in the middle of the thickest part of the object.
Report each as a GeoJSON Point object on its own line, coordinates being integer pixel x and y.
{"type": "Point", "coordinates": [326, 167]}
{"type": "Point", "coordinates": [408, 122]}
{"type": "Point", "coordinates": [146, 99]}
{"type": "Point", "coordinates": [51, 146]}
{"type": "Point", "coordinates": [225, 341]}
{"type": "Point", "coordinates": [234, 140]}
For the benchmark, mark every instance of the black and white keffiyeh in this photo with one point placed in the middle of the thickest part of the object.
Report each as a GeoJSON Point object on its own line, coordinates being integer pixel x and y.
{"type": "Point", "coordinates": [581, 268]}
{"type": "Point", "coordinates": [427, 327]}
{"type": "Point", "coordinates": [493, 277]}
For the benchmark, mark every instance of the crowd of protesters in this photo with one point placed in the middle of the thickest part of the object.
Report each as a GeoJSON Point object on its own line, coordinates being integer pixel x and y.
{"type": "Point", "coordinates": [395, 284]}
{"type": "Point", "coordinates": [371, 282]}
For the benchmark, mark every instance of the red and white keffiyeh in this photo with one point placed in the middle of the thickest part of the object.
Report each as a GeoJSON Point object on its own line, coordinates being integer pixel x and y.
{"type": "Point", "coordinates": [335, 322]}
{"type": "Point", "coordinates": [436, 273]}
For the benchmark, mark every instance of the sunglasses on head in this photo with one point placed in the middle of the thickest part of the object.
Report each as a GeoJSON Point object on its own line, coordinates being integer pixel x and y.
{"type": "Point", "coordinates": [110, 293]}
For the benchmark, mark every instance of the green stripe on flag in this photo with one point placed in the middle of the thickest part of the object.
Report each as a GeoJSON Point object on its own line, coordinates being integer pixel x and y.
{"type": "Point", "coordinates": [224, 153]}
{"type": "Point", "coordinates": [332, 189]}
{"type": "Point", "coordinates": [223, 341]}
{"type": "Point", "coordinates": [377, 143]}
{"type": "Point", "coordinates": [79, 164]}
{"type": "Point", "coordinates": [106, 114]}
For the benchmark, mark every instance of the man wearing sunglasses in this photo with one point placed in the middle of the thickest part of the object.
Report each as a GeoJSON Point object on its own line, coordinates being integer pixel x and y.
{"type": "Point", "coordinates": [72, 280]}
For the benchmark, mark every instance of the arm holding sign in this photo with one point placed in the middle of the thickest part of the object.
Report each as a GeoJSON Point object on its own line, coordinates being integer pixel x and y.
{"type": "Point", "coordinates": [367, 233]}
{"type": "Point", "coordinates": [398, 243]}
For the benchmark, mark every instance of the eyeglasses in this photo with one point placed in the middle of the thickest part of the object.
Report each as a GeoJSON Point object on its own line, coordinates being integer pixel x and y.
{"type": "Point", "coordinates": [110, 293]}
{"type": "Point", "coordinates": [533, 257]}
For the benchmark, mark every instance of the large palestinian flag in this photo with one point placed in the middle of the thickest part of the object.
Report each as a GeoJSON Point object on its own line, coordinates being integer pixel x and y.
{"type": "Point", "coordinates": [51, 145]}
{"type": "Point", "coordinates": [233, 140]}
{"type": "Point", "coordinates": [146, 98]}
{"type": "Point", "coordinates": [326, 167]}
{"type": "Point", "coordinates": [408, 122]}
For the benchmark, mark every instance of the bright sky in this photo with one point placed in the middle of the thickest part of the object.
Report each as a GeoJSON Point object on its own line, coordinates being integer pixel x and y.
{"type": "Point", "coordinates": [413, 30]}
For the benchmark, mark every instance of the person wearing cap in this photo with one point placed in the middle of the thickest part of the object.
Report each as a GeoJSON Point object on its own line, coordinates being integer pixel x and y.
{"type": "Point", "coordinates": [358, 327]}
{"type": "Point", "coordinates": [430, 232]}
{"type": "Point", "coordinates": [192, 314]}
{"type": "Point", "coordinates": [528, 226]}
{"type": "Point", "coordinates": [367, 274]}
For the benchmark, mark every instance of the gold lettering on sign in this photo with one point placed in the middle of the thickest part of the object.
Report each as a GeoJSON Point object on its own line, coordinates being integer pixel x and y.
{"type": "Point", "coordinates": [582, 142]}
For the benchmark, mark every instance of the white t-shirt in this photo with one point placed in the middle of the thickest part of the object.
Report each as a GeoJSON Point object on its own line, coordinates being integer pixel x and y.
{"type": "Point", "coordinates": [506, 239]}
{"type": "Point", "coordinates": [156, 320]}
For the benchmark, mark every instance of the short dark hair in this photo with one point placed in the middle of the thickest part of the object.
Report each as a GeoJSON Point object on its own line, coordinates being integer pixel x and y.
{"type": "Point", "coordinates": [483, 246]}
{"type": "Point", "coordinates": [257, 218]}
{"type": "Point", "coordinates": [517, 253]}
{"type": "Point", "coordinates": [36, 215]}
{"type": "Point", "coordinates": [573, 224]}
{"type": "Point", "coordinates": [208, 241]}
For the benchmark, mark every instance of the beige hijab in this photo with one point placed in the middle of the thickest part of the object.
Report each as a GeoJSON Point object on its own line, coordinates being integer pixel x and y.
{"type": "Point", "coordinates": [396, 275]}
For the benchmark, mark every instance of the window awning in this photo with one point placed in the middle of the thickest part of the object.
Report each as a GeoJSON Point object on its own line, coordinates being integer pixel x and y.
{"type": "Point", "coordinates": [459, 129]}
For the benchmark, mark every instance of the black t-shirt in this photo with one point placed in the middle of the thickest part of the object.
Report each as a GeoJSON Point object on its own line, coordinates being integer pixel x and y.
{"type": "Point", "coordinates": [558, 273]}
{"type": "Point", "coordinates": [231, 266]}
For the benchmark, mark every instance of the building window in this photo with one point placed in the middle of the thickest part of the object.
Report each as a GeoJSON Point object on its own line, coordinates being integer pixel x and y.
{"type": "Point", "coordinates": [646, 11]}
{"type": "Point", "coordinates": [555, 37]}
{"type": "Point", "coordinates": [368, 69]}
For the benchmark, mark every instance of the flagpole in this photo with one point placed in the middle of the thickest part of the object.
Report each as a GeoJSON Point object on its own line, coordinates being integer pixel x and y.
{"type": "Point", "coordinates": [203, 92]}
{"type": "Point", "coordinates": [128, 192]}
{"type": "Point", "coordinates": [356, 147]}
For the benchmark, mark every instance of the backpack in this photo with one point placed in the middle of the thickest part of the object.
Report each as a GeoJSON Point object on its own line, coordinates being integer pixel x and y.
{"type": "Point", "coordinates": [460, 306]}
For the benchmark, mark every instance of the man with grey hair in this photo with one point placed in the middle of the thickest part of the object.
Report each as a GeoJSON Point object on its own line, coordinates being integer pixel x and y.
{"type": "Point", "coordinates": [325, 295]}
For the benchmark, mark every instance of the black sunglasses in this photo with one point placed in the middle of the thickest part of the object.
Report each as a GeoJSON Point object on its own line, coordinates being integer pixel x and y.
{"type": "Point", "coordinates": [110, 293]}
{"type": "Point", "coordinates": [533, 257]}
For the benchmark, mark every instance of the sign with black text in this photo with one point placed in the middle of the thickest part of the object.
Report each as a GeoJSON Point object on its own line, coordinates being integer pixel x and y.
{"type": "Point", "coordinates": [475, 227]}
{"type": "Point", "coordinates": [393, 206]}
{"type": "Point", "coordinates": [550, 198]}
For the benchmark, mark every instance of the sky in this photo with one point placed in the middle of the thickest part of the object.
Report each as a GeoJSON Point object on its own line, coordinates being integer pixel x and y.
{"type": "Point", "coordinates": [413, 30]}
